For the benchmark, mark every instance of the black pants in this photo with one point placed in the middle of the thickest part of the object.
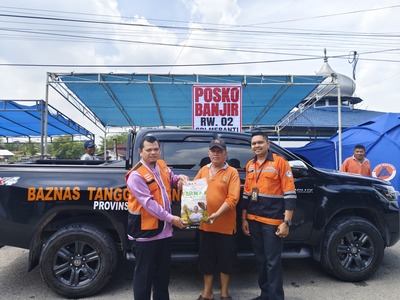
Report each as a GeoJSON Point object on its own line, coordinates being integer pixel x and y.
{"type": "Point", "coordinates": [268, 248]}
{"type": "Point", "coordinates": [217, 252]}
{"type": "Point", "coordinates": [152, 269]}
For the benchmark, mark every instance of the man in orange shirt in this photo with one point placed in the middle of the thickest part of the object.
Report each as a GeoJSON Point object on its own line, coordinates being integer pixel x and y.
{"type": "Point", "coordinates": [358, 163]}
{"type": "Point", "coordinates": [269, 199]}
{"type": "Point", "coordinates": [217, 249]}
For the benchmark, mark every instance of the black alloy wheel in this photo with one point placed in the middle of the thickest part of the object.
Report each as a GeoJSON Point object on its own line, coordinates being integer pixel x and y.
{"type": "Point", "coordinates": [78, 260]}
{"type": "Point", "coordinates": [352, 249]}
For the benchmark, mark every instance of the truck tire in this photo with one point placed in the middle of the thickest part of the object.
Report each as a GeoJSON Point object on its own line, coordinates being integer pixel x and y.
{"type": "Point", "coordinates": [352, 249]}
{"type": "Point", "coordinates": [78, 260]}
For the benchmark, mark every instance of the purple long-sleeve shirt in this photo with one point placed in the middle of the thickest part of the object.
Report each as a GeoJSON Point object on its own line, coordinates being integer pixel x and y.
{"type": "Point", "coordinates": [139, 188]}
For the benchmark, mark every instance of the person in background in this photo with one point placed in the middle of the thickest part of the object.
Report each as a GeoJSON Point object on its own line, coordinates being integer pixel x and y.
{"type": "Point", "coordinates": [150, 220]}
{"type": "Point", "coordinates": [269, 199]}
{"type": "Point", "coordinates": [217, 246]}
{"type": "Point", "coordinates": [358, 163]}
{"type": "Point", "coordinates": [90, 148]}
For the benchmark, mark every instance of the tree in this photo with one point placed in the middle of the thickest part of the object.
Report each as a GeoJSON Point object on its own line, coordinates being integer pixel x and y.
{"type": "Point", "coordinates": [118, 139]}
{"type": "Point", "coordinates": [121, 138]}
{"type": "Point", "coordinates": [14, 146]}
{"type": "Point", "coordinates": [23, 149]}
{"type": "Point", "coordinates": [64, 147]}
{"type": "Point", "coordinates": [30, 149]}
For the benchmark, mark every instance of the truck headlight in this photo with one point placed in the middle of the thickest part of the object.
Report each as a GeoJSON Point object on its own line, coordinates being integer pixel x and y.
{"type": "Point", "coordinates": [387, 191]}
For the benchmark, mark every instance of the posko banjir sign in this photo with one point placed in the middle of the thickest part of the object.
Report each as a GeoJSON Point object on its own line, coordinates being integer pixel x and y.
{"type": "Point", "coordinates": [217, 107]}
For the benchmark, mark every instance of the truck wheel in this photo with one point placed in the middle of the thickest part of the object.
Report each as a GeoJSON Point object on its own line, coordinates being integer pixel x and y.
{"type": "Point", "coordinates": [352, 249]}
{"type": "Point", "coordinates": [78, 260]}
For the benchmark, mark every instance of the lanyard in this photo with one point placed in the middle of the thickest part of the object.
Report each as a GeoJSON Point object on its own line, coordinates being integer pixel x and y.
{"type": "Point", "coordinates": [261, 168]}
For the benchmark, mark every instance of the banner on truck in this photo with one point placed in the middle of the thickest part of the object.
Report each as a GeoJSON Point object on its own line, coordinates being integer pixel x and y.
{"type": "Point", "coordinates": [217, 107]}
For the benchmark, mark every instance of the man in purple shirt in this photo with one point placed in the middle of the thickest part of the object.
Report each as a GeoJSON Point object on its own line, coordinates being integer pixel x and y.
{"type": "Point", "coordinates": [150, 220]}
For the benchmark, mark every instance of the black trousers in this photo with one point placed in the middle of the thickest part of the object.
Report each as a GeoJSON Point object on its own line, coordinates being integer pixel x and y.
{"type": "Point", "coordinates": [268, 248]}
{"type": "Point", "coordinates": [152, 269]}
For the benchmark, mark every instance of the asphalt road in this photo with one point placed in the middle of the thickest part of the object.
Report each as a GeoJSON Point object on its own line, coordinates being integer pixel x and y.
{"type": "Point", "coordinates": [303, 279]}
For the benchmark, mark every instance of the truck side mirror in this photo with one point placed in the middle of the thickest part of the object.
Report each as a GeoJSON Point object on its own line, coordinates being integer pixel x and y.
{"type": "Point", "coordinates": [299, 168]}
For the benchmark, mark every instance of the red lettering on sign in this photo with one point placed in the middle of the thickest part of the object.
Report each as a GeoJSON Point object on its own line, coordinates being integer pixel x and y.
{"type": "Point", "coordinates": [208, 94]}
{"type": "Point", "coordinates": [215, 110]}
{"type": "Point", "coordinates": [225, 95]}
{"type": "Point", "coordinates": [235, 94]}
{"type": "Point", "coordinates": [234, 110]}
{"type": "Point", "coordinates": [197, 94]}
{"type": "Point", "coordinates": [207, 110]}
{"type": "Point", "coordinates": [217, 94]}
{"type": "Point", "coordinates": [198, 109]}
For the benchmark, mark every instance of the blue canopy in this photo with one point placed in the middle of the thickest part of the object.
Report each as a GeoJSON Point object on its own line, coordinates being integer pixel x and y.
{"type": "Point", "coordinates": [166, 100]}
{"type": "Point", "coordinates": [379, 135]}
{"type": "Point", "coordinates": [18, 120]}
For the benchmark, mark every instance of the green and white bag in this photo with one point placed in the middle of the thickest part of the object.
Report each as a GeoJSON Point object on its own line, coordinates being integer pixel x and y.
{"type": "Point", "coordinates": [193, 202]}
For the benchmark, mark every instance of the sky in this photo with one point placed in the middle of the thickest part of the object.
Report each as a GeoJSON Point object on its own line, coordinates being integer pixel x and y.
{"type": "Point", "coordinates": [286, 37]}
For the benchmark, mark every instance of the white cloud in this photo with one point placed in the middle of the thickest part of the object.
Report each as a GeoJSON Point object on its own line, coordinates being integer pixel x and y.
{"type": "Point", "coordinates": [258, 30]}
{"type": "Point", "coordinates": [217, 11]}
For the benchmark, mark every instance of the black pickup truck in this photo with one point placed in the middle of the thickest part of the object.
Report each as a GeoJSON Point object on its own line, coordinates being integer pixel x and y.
{"type": "Point", "coordinates": [71, 215]}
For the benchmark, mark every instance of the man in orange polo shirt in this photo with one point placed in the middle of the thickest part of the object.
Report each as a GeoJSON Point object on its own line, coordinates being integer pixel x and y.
{"type": "Point", "coordinates": [358, 163]}
{"type": "Point", "coordinates": [217, 249]}
{"type": "Point", "coordinates": [269, 198]}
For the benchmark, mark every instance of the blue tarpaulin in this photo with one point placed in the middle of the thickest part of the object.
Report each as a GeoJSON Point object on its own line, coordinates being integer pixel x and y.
{"type": "Point", "coordinates": [20, 120]}
{"type": "Point", "coordinates": [166, 99]}
{"type": "Point", "coordinates": [381, 138]}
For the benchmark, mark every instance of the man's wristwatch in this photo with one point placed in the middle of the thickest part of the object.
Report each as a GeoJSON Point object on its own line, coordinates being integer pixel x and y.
{"type": "Point", "coordinates": [288, 222]}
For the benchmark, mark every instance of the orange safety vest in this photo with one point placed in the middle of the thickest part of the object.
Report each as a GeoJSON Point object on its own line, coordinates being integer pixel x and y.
{"type": "Point", "coordinates": [142, 224]}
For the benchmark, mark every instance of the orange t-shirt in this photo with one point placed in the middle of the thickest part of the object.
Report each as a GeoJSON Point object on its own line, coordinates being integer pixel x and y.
{"type": "Point", "coordinates": [352, 165]}
{"type": "Point", "coordinates": [222, 187]}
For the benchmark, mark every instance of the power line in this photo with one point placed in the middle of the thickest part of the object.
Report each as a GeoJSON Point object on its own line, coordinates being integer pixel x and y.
{"type": "Point", "coordinates": [182, 65]}
{"type": "Point", "coordinates": [248, 40]}
{"type": "Point", "coordinates": [156, 65]}
{"type": "Point", "coordinates": [330, 15]}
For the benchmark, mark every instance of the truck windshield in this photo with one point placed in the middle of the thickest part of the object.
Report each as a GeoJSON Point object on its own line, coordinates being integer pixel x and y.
{"type": "Point", "coordinates": [193, 155]}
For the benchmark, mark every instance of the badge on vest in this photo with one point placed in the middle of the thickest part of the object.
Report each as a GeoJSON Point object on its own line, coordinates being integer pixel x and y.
{"type": "Point", "coordinates": [254, 194]}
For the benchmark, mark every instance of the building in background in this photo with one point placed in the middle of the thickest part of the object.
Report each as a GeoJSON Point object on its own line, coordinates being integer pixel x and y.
{"type": "Point", "coordinates": [5, 155]}
{"type": "Point", "coordinates": [319, 119]}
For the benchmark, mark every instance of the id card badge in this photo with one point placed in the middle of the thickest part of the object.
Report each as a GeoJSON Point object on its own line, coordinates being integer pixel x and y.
{"type": "Point", "coordinates": [254, 194]}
